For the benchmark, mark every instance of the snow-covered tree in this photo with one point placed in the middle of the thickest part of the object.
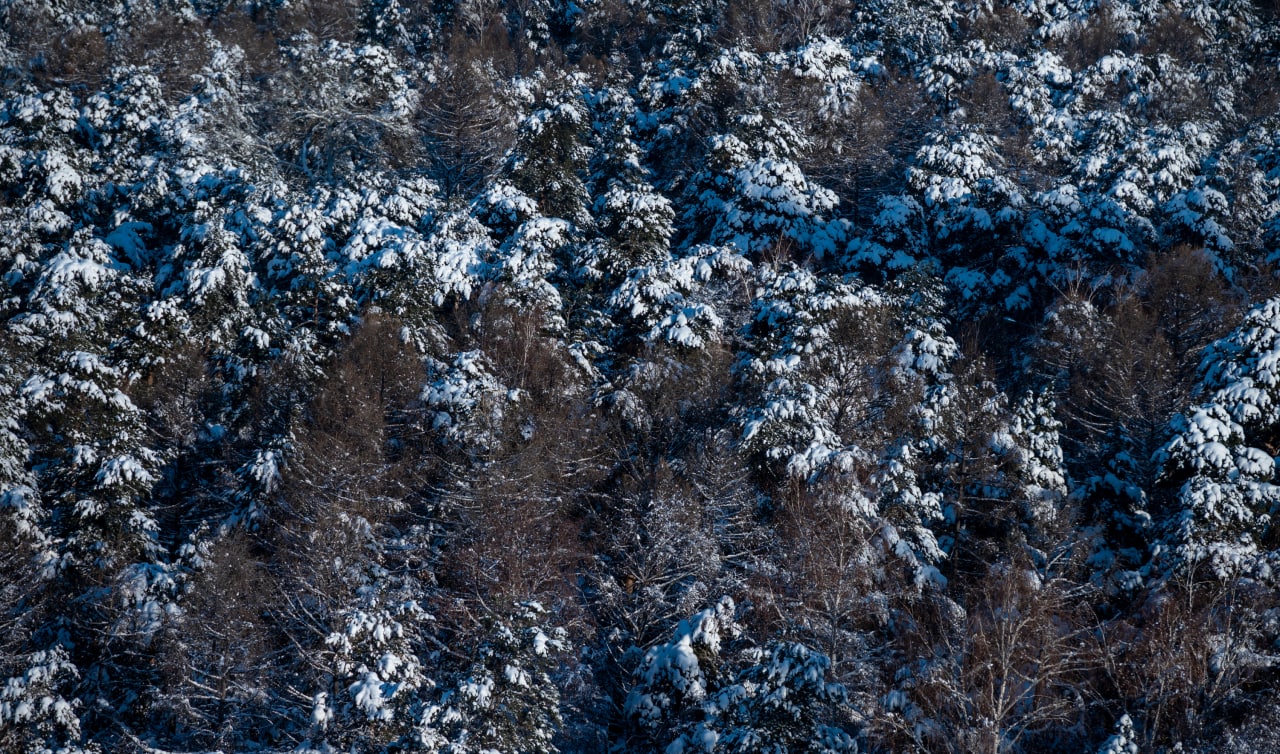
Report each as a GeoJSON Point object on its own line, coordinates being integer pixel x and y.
{"type": "Point", "coordinates": [694, 693]}
{"type": "Point", "coordinates": [35, 714]}
{"type": "Point", "coordinates": [1123, 740]}
{"type": "Point", "coordinates": [317, 315]}
{"type": "Point", "coordinates": [634, 220]}
{"type": "Point", "coordinates": [466, 402]}
{"type": "Point", "coordinates": [662, 303]}
{"type": "Point", "coordinates": [549, 158]}
{"type": "Point", "coordinates": [1041, 482]}
{"type": "Point", "coordinates": [341, 98]}
{"type": "Point", "coordinates": [781, 702]}
{"type": "Point", "coordinates": [1221, 454]}
{"type": "Point", "coordinates": [968, 200]}
{"type": "Point", "coordinates": [753, 195]}
{"type": "Point", "coordinates": [376, 674]}
{"type": "Point", "coordinates": [814, 359]}
{"type": "Point", "coordinates": [506, 702]}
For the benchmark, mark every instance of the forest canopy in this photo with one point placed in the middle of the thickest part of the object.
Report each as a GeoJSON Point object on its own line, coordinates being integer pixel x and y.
{"type": "Point", "coordinates": [681, 376]}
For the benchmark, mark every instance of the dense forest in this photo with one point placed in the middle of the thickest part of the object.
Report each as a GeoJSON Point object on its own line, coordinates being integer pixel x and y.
{"type": "Point", "coordinates": [721, 376]}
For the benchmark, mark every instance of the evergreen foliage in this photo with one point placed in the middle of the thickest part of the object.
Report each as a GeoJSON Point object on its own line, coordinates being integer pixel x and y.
{"type": "Point", "coordinates": [475, 376]}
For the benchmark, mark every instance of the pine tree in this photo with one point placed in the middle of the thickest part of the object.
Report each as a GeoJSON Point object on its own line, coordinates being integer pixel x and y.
{"type": "Point", "coordinates": [782, 702]}
{"type": "Point", "coordinates": [816, 371]}
{"type": "Point", "coordinates": [1226, 497]}
{"type": "Point", "coordinates": [674, 678]}
{"type": "Point", "coordinates": [506, 701]}
{"type": "Point", "coordinates": [1041, 482]}
{"type": "Point", "coordinates": [376, 674]}
{"type": "Point", "coordinates": [668, 302]}
{"type": "Point", "coordinates": [1122, 741]}
{"type": "Point", "coordinates": [549, 157]}
{"type": "Point", "coordinates": [634, 220]}
{"type": "Point", "coordinates": [696, 693]}
{"type": "Point", "coordinates": [754, 196]}
{"type": "Point", "coordinates": [959, 180]}
{"type": "Point", "coordinates": [34, 713]}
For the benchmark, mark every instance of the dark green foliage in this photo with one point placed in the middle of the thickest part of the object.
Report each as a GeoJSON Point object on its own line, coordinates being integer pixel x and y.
{"type": "Point", "coordinates": [775, 376]}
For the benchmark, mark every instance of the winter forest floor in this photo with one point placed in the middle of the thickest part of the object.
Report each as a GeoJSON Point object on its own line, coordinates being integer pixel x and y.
{"type": "Point", "coordinates": [720, 376]}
